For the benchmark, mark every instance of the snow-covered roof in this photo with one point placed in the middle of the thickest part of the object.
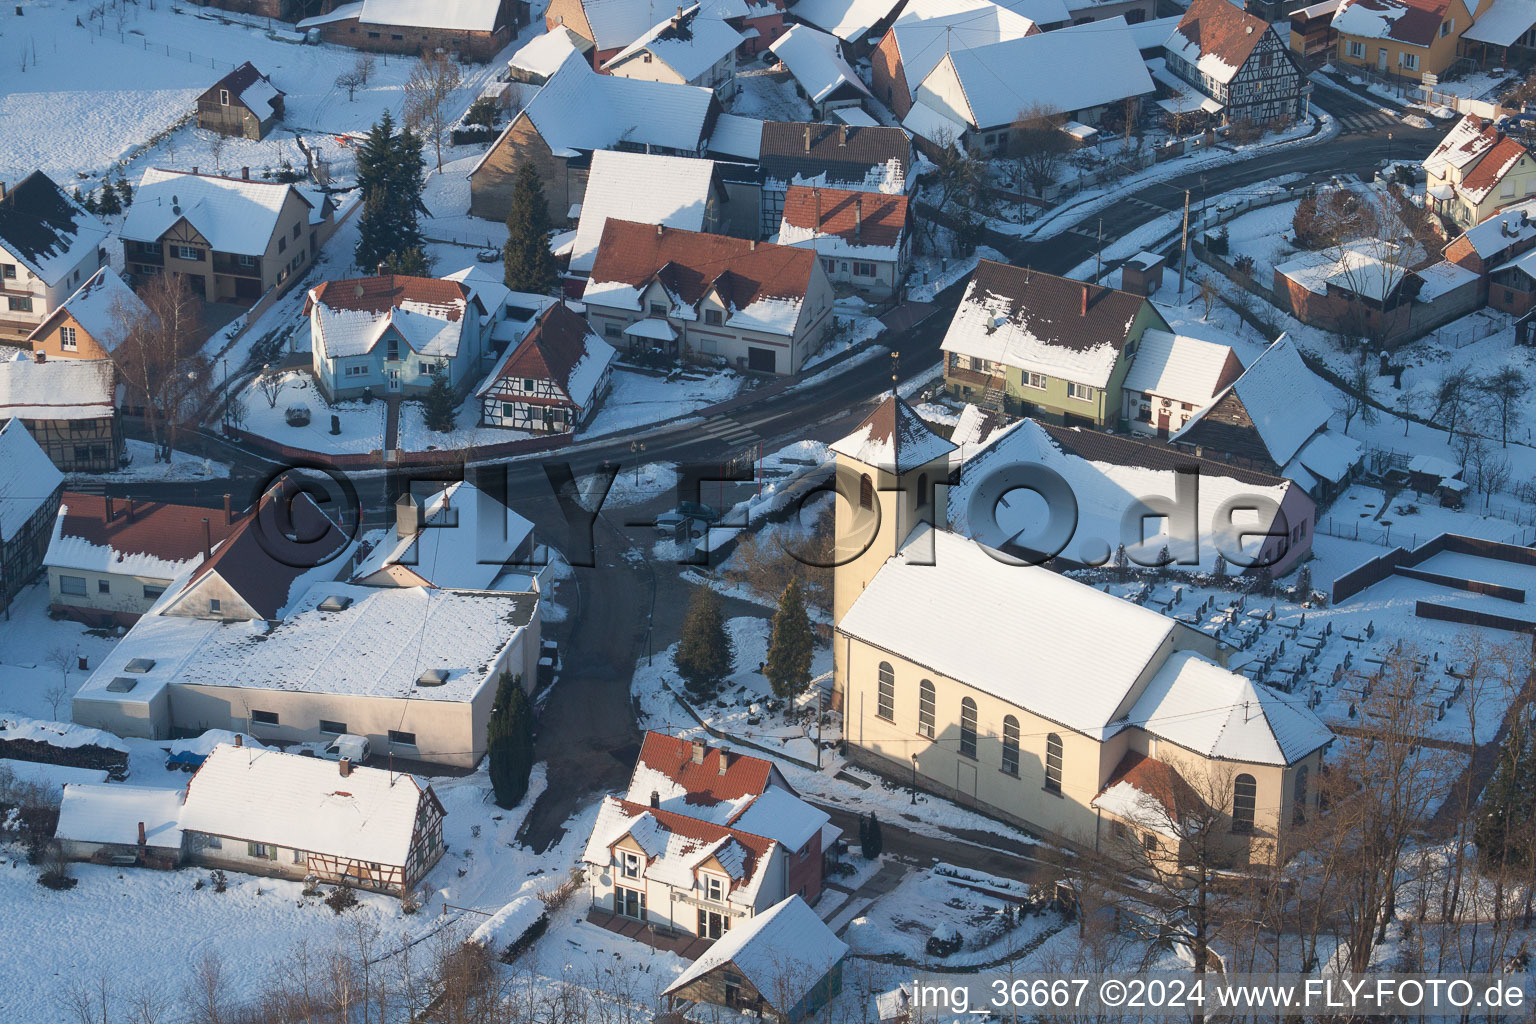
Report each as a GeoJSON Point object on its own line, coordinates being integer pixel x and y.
{"type": "Point", "coordinates": [641, 187]}
{"type": "Point", "coordinates": [855, 116]}
{"type": "Point", "coordinates": [103, 306]}
{"type": "Point", "coordinates": [677, 845]}
{"type": "Point", "coordinates": [390, 636]}
{"type": "Point", "coordinates": [304, 803]}
{"type": "Point", "coordinates": [1186, 98]}
{"type": "Point", "coordinates": [50, 777]}
{"type": "Point", "coordinates": [783, 817]}
{"type": "Point", "coordinates": [737, 136]}
{"type": "Point", "coordinates": [1178, 366]}
{"type": "Point", "coordinates": [849, 20]}
{"type": "Point", "coordinates": [57, 389]}
{"type": "Point", "coordinates": [1016, 631]}
{"type": "Point", "coordinates": [1409, 21]}
{"type": "Point", "coordinates": [348, 318]}
{"type": "Point", "coordinates": [923, 120]}
{"type": "Point", "coordinates": [1047, 324]}
{"type": "Point", "coordinates": [544, 53]}
{"type": "Point", "coordinates": [815, 59]}
{"type": "Point", "coordinates": [486, 285]}
{"type": "Point", "coordinates": [893, 438]}
{"type": "Point", "coordinates": [1152, 34]}
{"type": "Point", "coordinates": [784, 952]}
{"type": "Point", "coordinates": [844, 223]}
{"type": "Point", "coordinates": [800, 153]}
{"type": "Point", "coordinates": [928, 29]}
{"type": "Point", "coordinates": [1330, 455]}
{"type": "Point", "coordinates": [508, 924]}
{"type": "Point", "coordinates": [560, 348]}
{"type": "Point", "coordinates": [689, 43]}
{"type": "Point", "coordinates": [28, 478]}
{"type": "Point", "coordinates": [341, 12]}
{"type": "Point", "coordinates": [617, 23]}
{"type": "Point", "coordinates": [651, 327]}
{"type": "Point", "coordinates": [1441, 278]}
{"type": "Point", "coordinates": [1284, 399]}
{"type": "Point", "coordinates": [1465, 143]}
{"type": "Point", "coordinates": [57, 734]}
{"type": "Point", "coordinates": [46, 230]}
{"type": "Point", "coordinates": [465, 541]}
{"type": "Point", "coordinates": [234, 215]}
{"type": "Point", "coordinates": [1511, 227]}
{"type": "Point", "coordinates": [1503, 23]}
{"type": "Point", "coordinates": [454, 15]}
{"type": "Point", "coordinates": [1068, 70]}
{"type": "Point", "coordinates": [1478, 183]}
{"type": "Point", "coordinates": [106, 813]}
{"type": "Point", "coordinates": [1216, 37]}
{"type": "Point", "coordinates": [250, 87]}
{"type": "Point", "coordinates": [1110, 478]}
{"type": "Point", "coordinates": [157, 540]}
{"type": "Point", "coordinates": [1204, 708]}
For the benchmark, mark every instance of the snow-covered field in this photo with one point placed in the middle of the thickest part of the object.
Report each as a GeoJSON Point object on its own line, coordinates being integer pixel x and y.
{"type": "Point", "coordinates": [639, 399]}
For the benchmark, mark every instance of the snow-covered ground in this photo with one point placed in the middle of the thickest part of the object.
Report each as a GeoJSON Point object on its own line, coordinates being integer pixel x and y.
{"type": "Point", "coordinates": [640, 399]}
{"type": "Point", "coordinates": [37, 656]}
{"type": "Point", "coordinates": [362, 423]}
{"type": "Point", "coordinates": [142, 466]}
{"type": "Point", "coordinates": [770, 95]}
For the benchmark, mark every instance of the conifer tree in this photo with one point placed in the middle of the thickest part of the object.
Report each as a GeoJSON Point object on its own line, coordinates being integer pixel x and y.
{"type": "Point", "coordinates": [1503, 826]}
{"type": "Point", "coordinates": [390, 170]}
{"type": "Point", "coordinates": [107, 203]}
{"type": "Point", "coordinates": [440, 408]}
{"type": "Point", "coordinates": [528, 264]}
{"type": "Point", "coordinates": [870, 840]}
{"type": "Point", "coordinates": [125, 193]}
{"type": "Point", "coordinates": [789, 650]}
{"type": "Point", "coordinates": [509, 742]}
{"type": "Point", "coordinates": [412, 261]}
{"type": "Point", "coordinates": [705, 655]}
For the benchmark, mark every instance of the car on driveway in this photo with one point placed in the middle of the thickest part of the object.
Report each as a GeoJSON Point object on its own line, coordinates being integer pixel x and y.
{"type": "Point", "coordinates": [694, 510]}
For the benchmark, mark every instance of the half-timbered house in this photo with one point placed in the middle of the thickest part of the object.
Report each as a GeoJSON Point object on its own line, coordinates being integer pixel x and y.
{"type": "Point", "coordinates": [29, 499]}
{"type": "Point", "coordinates": [1239, 61]}
{"type": "Point", "coordinates": [265, 812]}
{"type": "Point", "coordinates": [553, 380]}
{"type": "Point", "coordinates": [243, 104]}
{"type": "Point", "coordinates": [67, 406]}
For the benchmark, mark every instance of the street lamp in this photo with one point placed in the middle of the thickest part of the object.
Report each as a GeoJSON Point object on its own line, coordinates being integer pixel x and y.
{"type": "Point", "coordinates": [914, 780]}
{"type": "Point", "coordinates": [635, 448]}
{"type": "Point", "coordinates": [1389, 151]}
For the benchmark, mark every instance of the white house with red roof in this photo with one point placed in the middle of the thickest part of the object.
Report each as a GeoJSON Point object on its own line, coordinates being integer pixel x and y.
{"type": "Point", "coordinates": [553, 381]}
{"type": "Point", "coordinates": [861, 238]}
{"type": "Point", "coordinates": [1475, 171]}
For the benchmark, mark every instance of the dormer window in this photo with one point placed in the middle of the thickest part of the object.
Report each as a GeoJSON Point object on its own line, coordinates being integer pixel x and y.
{"type": "Point", "coordinates": [629, 864]}
{"type": "Point", "coordinates": [392, 350]}
{"type": "Point", "coordinates": [658, 309]}
{"type": "Point", "coordinates": [714, 888]}
{"type": "Point", "coordinates": [714, 317]}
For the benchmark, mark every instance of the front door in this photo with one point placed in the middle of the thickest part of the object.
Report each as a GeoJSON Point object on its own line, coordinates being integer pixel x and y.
{"type": "Point", "coordinates": [393, 377]}
{"type": "Point", "coordinates": [1381, 58]}
{"type": "Point", "coordinates": [965, 781]}
{"type": "Point", "coordinates": [1162, 423]}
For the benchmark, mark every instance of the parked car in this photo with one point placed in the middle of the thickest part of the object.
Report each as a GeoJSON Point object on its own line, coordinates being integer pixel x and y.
{"type": "Point", "coordinates": [694, 510]}
{"type": "Point", "coordinates": [297, 415]}
{"type": "Point", "coordinates": [673, 523]}
{"type": "Point", "coordinates": [348, 745]}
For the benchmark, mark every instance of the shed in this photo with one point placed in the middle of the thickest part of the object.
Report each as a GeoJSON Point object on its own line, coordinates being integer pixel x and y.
{"type": "Point", "coordinates": [128, 825]}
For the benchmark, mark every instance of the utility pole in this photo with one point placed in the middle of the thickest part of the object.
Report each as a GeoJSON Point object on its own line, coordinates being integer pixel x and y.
{"type": "Point", "coordinates": [1098, 256]}
{"type": "Point", "coordinates": [1184, 256]}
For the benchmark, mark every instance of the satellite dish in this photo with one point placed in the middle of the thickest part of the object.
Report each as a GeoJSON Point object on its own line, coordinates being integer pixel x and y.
{"type": "Point", "coordinates": [357, 290]}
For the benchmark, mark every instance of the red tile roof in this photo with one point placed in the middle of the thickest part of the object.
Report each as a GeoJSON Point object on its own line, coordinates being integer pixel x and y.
{"type": "Point", "coordinates": [672, 756]}
{"type": "Point", "coordinates": [858, 218]}
{"type": "Point", "coordinates": [170, 532]}
{"type": "Point", "coordinates": [1157, 779]}
{"type": "Point", "coordinates": [1492, 168]}
{"type": "Point", "coordinates": [551, 350]}
{"type": "Point", "coordinates": [1222, 29]}
{"type": "Point", "coordinates": [704, 832]}
{"type": "Point", "coordinates": [1416, 21]}
{"type": "Point", "coordinates": [689, 263]}
{"type": "Point", "coordinates": [381, 293]}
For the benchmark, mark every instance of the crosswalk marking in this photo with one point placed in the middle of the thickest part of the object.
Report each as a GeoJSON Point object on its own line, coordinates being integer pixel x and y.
{"type": "Point", "coordinates": [1364, 121]}
{"type": "Point", "coordinates": [728, 430]}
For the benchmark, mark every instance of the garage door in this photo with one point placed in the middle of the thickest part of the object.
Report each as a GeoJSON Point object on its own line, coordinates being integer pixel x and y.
{"type": "Point", "coordinates": [763, 360]}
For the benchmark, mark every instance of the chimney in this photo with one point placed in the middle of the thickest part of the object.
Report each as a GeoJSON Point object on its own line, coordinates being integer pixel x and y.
{"type": "Point", "coordinates": [379, 270]}
{"type": "Point", "coordinates": [752, 245]}
{"type": "Point", "coordinates": [655, 799]}
{"type": "Point", "coordinates": [229, 513]}
{"type": "Point", "coordinates": [239, 739]}
{"type": "Point", "coordinates": [807, 138]}
{"type": "Point", "coordinates": [143, 839]}
{"type": "Point", "coordinates": [2, 190]}
{"type": "Point", "coordinates": [40, 356]}
{"type": "Point", "coordinates": [658, 231]}
{"type": "Point", "coordinates": [858, 221]}
{"type": "Point", "coordinates": [816, 193]}
{"type": "Point", "coordinates": [698, 751]}
{"type": "Point", "coordinates": [245, 174]}
{"type": "Point", "coordinates": [345, 764]}
{"type": "Point", "coordinates": [207, 539]}
{"type": "Point", "coordinates": [1084, 311]}
{"type": "Point", "coordinates": [407, 516]}
{"type": "Point", "coordinates": [129, 502]}
{"type": "Point", "coordinates": [725, 761]}
{"type": "Point", "coordinates": [194, 168]}
{"type": "Point", "coordinates": [109, 508]}
{"type": "Point", "coordinates": [842, 135]}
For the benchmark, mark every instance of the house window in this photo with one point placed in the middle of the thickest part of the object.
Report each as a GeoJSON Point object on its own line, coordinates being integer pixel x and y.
{"type": "Point", "coordinates": [396, 36]}
{"type": "Point", "coordinates": [67, 339]}
{"type": "Point", "coordinates": [712, 924]}
{"type": "Point", "coordinates": [1299, 797]}
{"type": "Point", "coordinates": [866, 491]}
{"type": "Point", "coordinates": [658, 309]}
{"type": "Point", "coordinates": [886, 699]}
{"type": "Point", "coordinates": [1010, 745]}
{"type": "Point", "coordinates": [373, 35]}
{"type": "Point", "coordinates": [1034, 380]}
{"type": "Point", "coordinates": [714, 317]}
{"type": "Point", "coordinates": [223, 97]}
{"type": "Point", "coordinates": [528, 385]}
{"type": "Point", "coordinates": [262, 851]}
{"type": "Point", "coordinates": [508, 410]}
{"type": "Point", "coordinates": [103, 586]}
{"type": "Point", "coordinates": [215, 605]}
{"type": "Point", "coordinates": [392, 350]}
{"type": "Point", "coordinates": [82, 452]}
{"type": "Point", "coordinates": [862, 269]}
{"type": "Point", "coordinates": [1245, 794]}
{"type": "Point", "coordinates": [152, 592]}
{"type": "Point", "coordinates": [404, 739]}
{"type": "Point", "coordinates": [714, 888]}
{"type": "Point", "coordinates": [356, 370]}
{"type": "Point", "coordinates": [20, 304]}
{"type": "Point", "coordinates": [922, 490]}
{"type": "Point", "coordinates": [1357, 50]}
{"type": "Point", "coordinates": [8, 270]}
{"type": "Point", "coordinates": [215, 843]}
{"type": "Point", "coordinates": [1447, 27]}
{"type": "Point", "coordinates": [300, 857]}
{"type": "Point", "coordinates": [246, 260]}
{"type": "Point", "coordinates": [629, 864]}
{"type": "Point", "coordinates": [611, 331]}
{"type": "Point", "coordinates": [1081, 392]}
{"type": "Point", "coordinates": [187, 252]}
{"type": "Point", "coordinates": [264, 717]}
{"type": "Point", "coordinates": [629, 903]}
{"type": "Point", "coordinates": [1053, 763]}
{"type": "Point", "coordinates": [968, 727]}
{"type": "Point", "coordinates": [829, 265]}
{"type": "Point", "coordinates": [1409, 61]}
{"type": "Point", "coordinates": [925, 703]}
{"type": "Point", "coordinates": [282, 245]}
{"type": "Point", "coordinates": [1266, 59]}
{"type": "Point", "coordinates": [427, 369]}
{"type": "Point", "coordinates": [334, 728]}
{"type": "Point", "coordinates": [296, 231]}
{"type": "Point", "coordinates": [1148, 843]}
{"type": "Point", "coordinates": [72, 585]}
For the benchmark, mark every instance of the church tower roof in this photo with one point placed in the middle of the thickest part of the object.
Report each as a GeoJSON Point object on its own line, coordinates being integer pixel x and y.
{"type": "Point", "coordinates": [893, 438]}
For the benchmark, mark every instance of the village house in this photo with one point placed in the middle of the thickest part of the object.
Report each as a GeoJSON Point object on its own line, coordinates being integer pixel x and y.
{"type": "Point", "coordinates": [475, 30]}
{"type": "Point", "coordinates": [1504, 32]}
{"type": "Point", "coordinates": [751, 306]}
{"type": "Point", "coordinates": [553, 381]}
{"type": "Point", "coordinates": [1364, 289]}
{"type": "Point", "coordinates": [576, 112]}
{"type": "Point", "coordinates": [542, 55]}
{"type": "Point", "coordinates": [1092, 75]}
{"type": "Point", "coordinates": [109, 559]}
{"type": "Point", "coordinates": [1028, 343]}
{"type": "Point", "coordinates": [861, 158]}
{"type": "Point", "coordinates": [265, 812]}
{"type": "Point", "coordinates": [458, 538]}
{"type": "Point", "coordinates": [1238, 60]}
{"type": "Point", "coordinates": [781, 965]}
{"type": "Point", "coordinates": [1496, 241]}
{"type": "Point", "coordinates": [394, 333]}
{"type": "Point", "coordinates": [1171, 377]}
{"type": "Point", "coordinates": [1250, 520]}
{"type": "Point", "coordinates": [677, 191]}
{"type": "Point", "coordinates": [234, 239]}
{"type": "Point", "coordinates": [861, 238]}
{"type": "Point", "coordinates": [92, 322]}
{"type": "Point", "coordinates": [48, 246]}
{"type": "Point", "coordinates": [815, 60]}
{"type": "Point", "coordinates": [125, 826]}
{"type": "Point", "coordinates": [1274, 418]}
{"type": "Point", "coordinates": [609, 26]}
{"type": "Point", "coordinates": [689, 48]}
{"type": "Point", "coordinates": [30, 489]}
{"type": "Point", "coordinates": [985, 680]}
{"type": "Point", "coordinates": [1407, 38]}
{"type": "Point", "coordinates": [244, 104]}
{"type": "Point", "coordinates": [925, 31]}
{"type": "Point", "coordinates": [1475, 171]}
{"type": "Point", "coordinates": [68, 407]}
{"type": "Point", "coordinates": [1313, 38]}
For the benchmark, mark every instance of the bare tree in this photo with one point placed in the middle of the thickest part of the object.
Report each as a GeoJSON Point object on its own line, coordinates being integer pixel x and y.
{"type": "Point", "coordinates": [1452, 394]}
{"type": "Point", "coordinates": [159, 357]}
{"type": "Point", "coordinates": [350, 80]}
{"type": "Point", "coordinates": [216, 143]}
{"type": "Point", "coordinates": [271, 386]}
{"type": "Point", "coordinates": [429, 96]}
{"type": "Point", "coordinates": [63, 657]}
{"type": "Point", "coordinates": [1210, 293]}
{"type": "Point", "coordinates": [1505, 387]}
{"type": "Point", "coordinates": [1038, 144]}
{"type": "Point", "coordinates": [1355, 397]}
